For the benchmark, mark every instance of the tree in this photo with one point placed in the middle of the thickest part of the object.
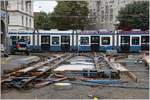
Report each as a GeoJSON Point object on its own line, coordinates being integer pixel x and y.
{"type": "Point", "coordinates": [40, 20]}
{"type": "Point", "coordinates": [134, 16]}
{"type": "Point", "coordinates": [70, 15]}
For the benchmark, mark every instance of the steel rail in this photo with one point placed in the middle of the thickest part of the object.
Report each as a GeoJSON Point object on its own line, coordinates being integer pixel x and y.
{"type": "Point", "coordinates": [35, 66]}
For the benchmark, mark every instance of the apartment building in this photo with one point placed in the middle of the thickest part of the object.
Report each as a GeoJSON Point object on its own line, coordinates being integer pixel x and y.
{"type": "Point", "coordinates": [106, 12]}
{"type": "Point", "coordinates": [20, 15]}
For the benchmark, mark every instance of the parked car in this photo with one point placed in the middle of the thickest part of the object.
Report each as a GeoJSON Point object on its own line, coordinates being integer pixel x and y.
{"type": "Point", "coordinates": [21, 47]}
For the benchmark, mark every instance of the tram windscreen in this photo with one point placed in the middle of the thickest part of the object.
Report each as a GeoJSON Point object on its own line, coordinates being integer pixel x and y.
{"type": "Point", "coordinates": [135, 40]}
{"type": "Point", "coordinates": [55, 40]}
{"type": "Point", "coordinates": [84, 40]}
{"type": "Point", "coordinates": [105, 40]}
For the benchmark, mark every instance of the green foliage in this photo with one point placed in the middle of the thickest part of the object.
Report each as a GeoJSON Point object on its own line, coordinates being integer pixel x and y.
{"type": "Point", "coordinates": [70, 15]}
{"type": "Point", "coordinates": [40, 20]}
{"type": "Point", "coordinates": [134, 16]}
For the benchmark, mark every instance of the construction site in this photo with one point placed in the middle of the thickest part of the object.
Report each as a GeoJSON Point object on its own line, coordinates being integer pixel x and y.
{"type": "Point", "coordinates": [74, 49]}
{"type": "Point", "coordinates": [75, 76]}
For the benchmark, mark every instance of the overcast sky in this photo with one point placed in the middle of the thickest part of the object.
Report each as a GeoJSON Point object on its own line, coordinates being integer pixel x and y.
{"type": "Point", "coordinates": [46, 6]}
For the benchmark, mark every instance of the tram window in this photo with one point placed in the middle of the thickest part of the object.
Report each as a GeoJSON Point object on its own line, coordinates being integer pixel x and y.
{"type": "Point", "coordinates": [105, 40]}
{"type": "Point", "coordinates": [14, 39]}
{"type": "Point", "coordinates": [45, 39]}
{"type": "Point", "coordinates": [125, 40]}
{"type": "Point", "coordinates": [95, 39]}
{"type": "Point", "coordinates": [67, 38]}
{"type": "Point", "coordinates": [135, 40]}
{"type": "Point", "coordinates": [145, 39]}
{"type": "Point", "coordinates": [25, 39]}
{"type": "Point", "coordinates": [84, 40]}
{"type": "Point", "coordinates": [55, 40]}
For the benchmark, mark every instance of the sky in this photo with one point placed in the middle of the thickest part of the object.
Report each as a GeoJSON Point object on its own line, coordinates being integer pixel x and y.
{"type": "Point", "coordinates": [44, 5]}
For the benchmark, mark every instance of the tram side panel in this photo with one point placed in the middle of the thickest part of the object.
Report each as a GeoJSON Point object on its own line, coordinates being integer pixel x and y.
{"type": "Point", "coordinates": [105, 43]}
{"type": "Point", "coordinates": [55, 43]}
{"type": "Point", "coordinates": [66, 42]}
{"type": "Point", "coordinates": [124, 43]}
{"type": "Point", "coordinates": [135, 43]}
{"type": "Point", "coordinates": [145, 42]}
{"type": "Point", "coordinates": [84, 43]}
{"type": "Point", "coordinates": [45, 42]}
{"type": "Point", "coordinates": [95, 43]}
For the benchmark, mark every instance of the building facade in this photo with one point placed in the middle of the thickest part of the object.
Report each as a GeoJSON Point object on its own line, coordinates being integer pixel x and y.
{"type": "Point", "coordinates": [106, 12]}
{"type": "Point", "coordinates": [20, 15]}
{"type": "Point", "coordinates": [4, 23]}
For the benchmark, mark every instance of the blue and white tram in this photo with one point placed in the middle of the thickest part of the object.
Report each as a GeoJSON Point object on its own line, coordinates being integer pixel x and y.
{"type": "Point", "coordinates": [84, 41]}
{"type": "Point", "coordinates": [95, 40]}
{"type": "Point", "coordinates": [133, 41]}
{"type": "Point", "coordinates": [55, 40]}
{"type": "Point", "coordinates": [23, 36]}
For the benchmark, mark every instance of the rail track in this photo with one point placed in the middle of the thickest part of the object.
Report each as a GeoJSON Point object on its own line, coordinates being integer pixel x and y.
{"type": "Point", "coordinates": [21, 77]}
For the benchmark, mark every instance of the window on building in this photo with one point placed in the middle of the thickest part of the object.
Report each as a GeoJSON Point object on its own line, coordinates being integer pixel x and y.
{"type": "Point", "coordinates": [26, 21]}
{"type": "Point", "coordinates": [98, 5]}
{"type": "Point", "coordinates": [106, 8]}
{"type": "Point", "coordinates": [30, 7]}
{"type": "Point", "coordinates": [30, 22]}
{"type": "Point", "coordinates": [84, 40]}
{"type": "Point", "coordinates": [27, 6]}
{"type": "Point", "coordinates": [22, 5]}
{"type": "Point", "coordinates": [135, 40]}
{"type": "Point", "coordinates": [3, 4]}
{"type": "Point", "coordinates": [111, 1]}
{"type": "Point", "coordinates": [8, 19]}
{"type": "Point", "coordinates": [55, 40]}
{"type": "Point", "coordinates": [111, 14]}
{"type": "Point", "coordinates": [22, 20]}
{"type": "Point", "coordinates": [105, 40]}
{"type": "Point", "coordinates": [102, 16]}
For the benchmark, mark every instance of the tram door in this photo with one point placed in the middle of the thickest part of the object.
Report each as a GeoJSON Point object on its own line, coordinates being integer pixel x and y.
{"type": "Point", "coordinates": [145, 43]}
{"type": "Point", "coordinates": [65, 43]}
{"type": "Point", "coordinates": [125, 43]}
{"type": "Point", "coordinates": [95, 43]}
{"type": "Point", "coordinates": [45, 43]}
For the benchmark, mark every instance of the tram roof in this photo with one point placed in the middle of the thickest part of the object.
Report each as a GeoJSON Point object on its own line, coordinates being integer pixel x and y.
{"type": "Point", "coordinates": [93, 32]}
{"type": "Point", "coordinates": [45, 32]}
{"type": "Point", "coordinates": [134, 32]}
{"type": "Point", "coordinates": [56, 31]}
